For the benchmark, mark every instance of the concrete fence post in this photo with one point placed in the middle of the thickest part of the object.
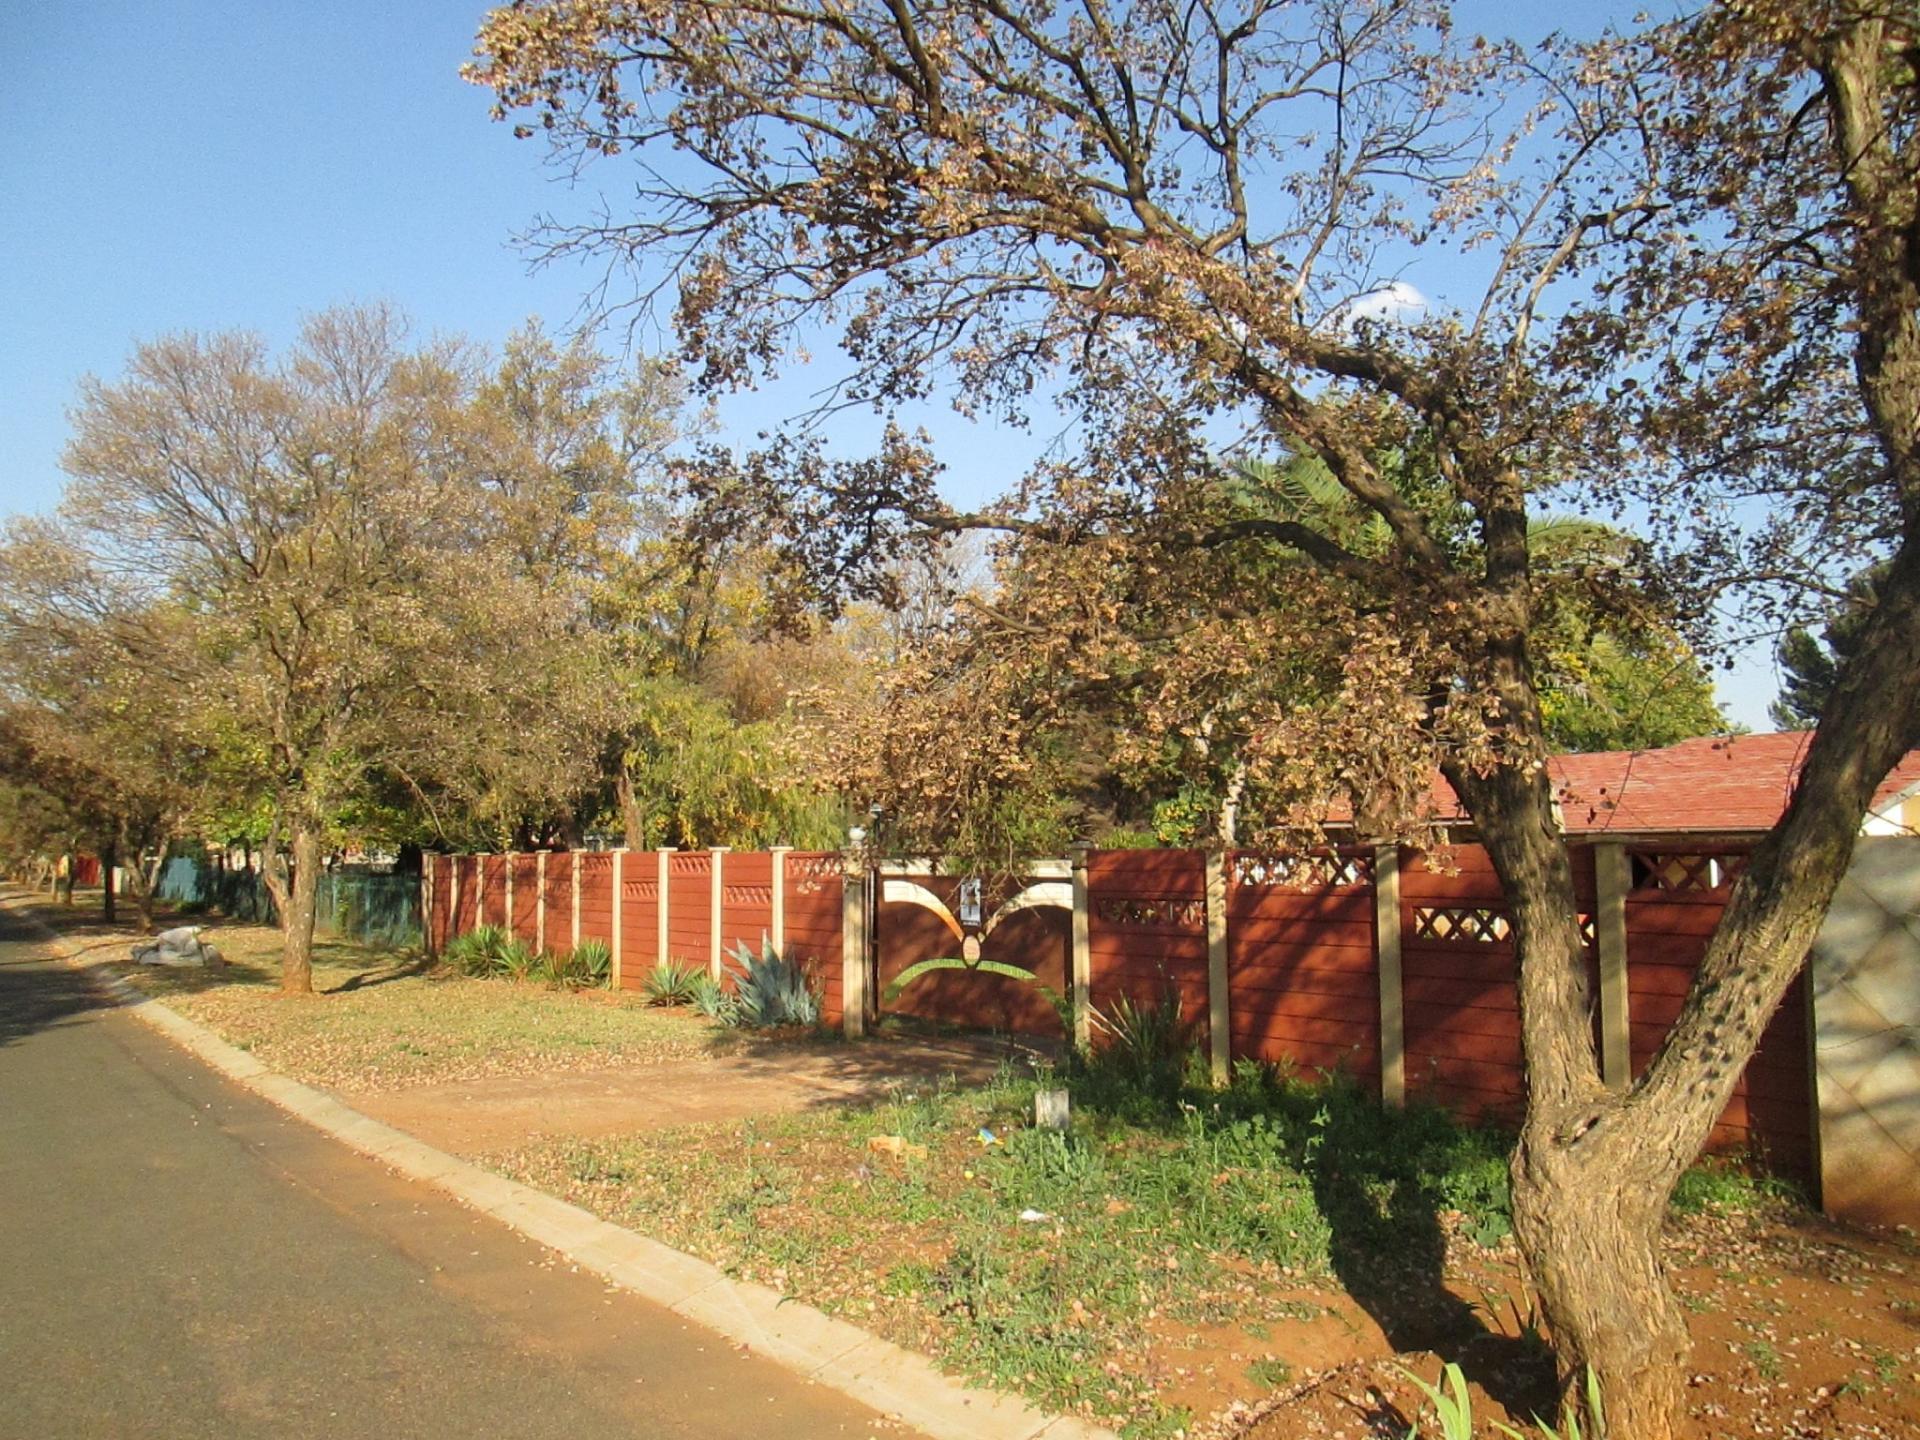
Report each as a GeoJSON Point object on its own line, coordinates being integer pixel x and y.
{"type": "Point", "coordinates": [777, 921]}
{"type": "Point", "coordinates": [540, 903]}
{"type": "Point", "coordinates": [507, 862]}
{"type": "Point", "coordinates": [1393, 1025]}
{"type": "Point", "coordinates": [665, 857]}
{"type": "Point", "coordinates": [618, 918]}
{"type": "Point", "coordinates": [716, 861]}
{"type": "Point", "coordinates": [573, 857]}
{"type": "Point", "coordinates": [426, 901]}
{"type": "Point", "coordinates": [1219, 1005]}
{"type": "Point", "coordinates": [853, 945]}
{"type": "Point", "coordinates": [1612, 879]}
{"type": "Point", "coordinates": [453, 896]}
{"type": "Point", "coordinates": [1081, 978]}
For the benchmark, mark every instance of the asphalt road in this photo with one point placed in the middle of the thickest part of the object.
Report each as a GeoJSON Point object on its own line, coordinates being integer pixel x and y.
{"type": "Point", "coordinates": [179, 1258]}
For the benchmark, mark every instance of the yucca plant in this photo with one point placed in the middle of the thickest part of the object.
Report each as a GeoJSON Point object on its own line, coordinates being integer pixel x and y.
{"type": "Point", "coordinates": [1573, 1431]}
{"type": "Point", "coordinates": [554, 967]}
{"type": "Point", "coordinates": [1454, 1407]}
{"type": "Point", "coordinates": [515, 960]}
{"type": "Point", "coordinates": [1144, 1044]}
{"type": "Point", "coordinates": [478, 951]}
{"type": "Point", "coordinates": [673, 982]}
{"type": "Point", "coordinates": [1450, 1402]}
{"type": "Point", "coordinates": [592, 962]}
{"type": "Point", "coordinates": [773, 989]}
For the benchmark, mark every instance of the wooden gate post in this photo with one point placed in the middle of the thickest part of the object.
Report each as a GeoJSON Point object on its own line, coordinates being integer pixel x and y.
{"type": "Point", "coordinates": [1393, 1030]}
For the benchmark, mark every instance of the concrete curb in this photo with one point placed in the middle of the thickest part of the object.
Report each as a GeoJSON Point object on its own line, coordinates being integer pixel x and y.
{"type": "Point", "coordinates": [830, 1352]}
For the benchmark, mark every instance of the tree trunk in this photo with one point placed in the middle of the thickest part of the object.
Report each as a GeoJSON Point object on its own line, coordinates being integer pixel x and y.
{"type": "Point", "coordinates": [633, 815]}
{"type": "Point", "coordinates": [295, 889]}
{"type": "Point", "coordinates": [108, 854]}
{"type": "Point", "coordinates": [70, 862]}
{"type": "Point", "coordinates": [141, 884]}
{"type": "Point", "coordinates": [1587, 1215]}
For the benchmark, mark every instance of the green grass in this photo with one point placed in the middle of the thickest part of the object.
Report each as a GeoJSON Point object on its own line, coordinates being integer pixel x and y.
{"type": "Point", "coordinates": [382, 1020]}
{"type": "Point", "coordinates": [1765, 1358]}
{"type": "Point", "coordinates": [1210, 1208]}
{"type": "Point", "coordinates": [1169, 1208]}
{"type": "Point", "coordinates": [1718, 1186]}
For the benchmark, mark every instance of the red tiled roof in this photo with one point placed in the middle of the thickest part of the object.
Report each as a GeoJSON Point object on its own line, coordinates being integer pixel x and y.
{"type": "Point", "coordinates": [1740, 782]}
{"type": "Point", "coordinates": [1714, 785]}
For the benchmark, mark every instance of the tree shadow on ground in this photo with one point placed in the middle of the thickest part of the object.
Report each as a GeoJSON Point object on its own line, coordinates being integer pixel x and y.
{"type": "Point", "coordinates": [36, 992]}
{"type": "Point", "coordinates": [1383, 1180]}
{"type": "Point", "coordinates": [404, 967]}
{"type": "Point", "coordinates": [38, 995]}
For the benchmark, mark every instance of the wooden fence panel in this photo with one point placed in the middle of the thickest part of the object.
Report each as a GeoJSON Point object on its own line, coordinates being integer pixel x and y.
{"type": "Point", "coordinates": [813, 905]}
{"type": "Point", "coordinates": [746, 900]}
{"type": "Point", "coordinates": [1457, 992]}
{"type": "Point", "coordinates": [1301, 962]}
{"type": "Point", "coordinates": [1677, 895]}
{"type": "Point", "coordinates": [526, 899]}
{"type": "Point", "coordinates": [689, 907]}
{"type": "Point", "coordinates": [467, 914]}
{"type": "Point", "coordinates": [1147, 929]}
{"type": "Point", "coordinates": [440, 910]}
{"type": "Point", "coordinates": [596, 897]}
{"type": "Point", "coordinates": [493, 889]}
{"type": "Point", "coordinates": [559, 896]}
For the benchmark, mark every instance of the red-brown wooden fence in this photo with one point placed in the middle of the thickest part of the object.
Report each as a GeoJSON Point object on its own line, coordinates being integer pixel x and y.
{"type": "Point", "coordinates": [1298, 944]}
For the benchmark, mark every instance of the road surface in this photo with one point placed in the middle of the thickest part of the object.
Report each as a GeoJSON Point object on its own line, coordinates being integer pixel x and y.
{"type": "Point", "coordinates": [179, 1258]}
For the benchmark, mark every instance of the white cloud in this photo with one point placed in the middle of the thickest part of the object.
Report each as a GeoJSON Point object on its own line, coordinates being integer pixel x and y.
{"type": "Point", "coordinates": [1387, 305]}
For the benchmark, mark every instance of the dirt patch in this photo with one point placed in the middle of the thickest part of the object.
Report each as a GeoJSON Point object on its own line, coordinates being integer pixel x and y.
{"type": "Point", "coordinates": [1801, 1329]}
{"type": "Point", "coordinates": [471, 1117]}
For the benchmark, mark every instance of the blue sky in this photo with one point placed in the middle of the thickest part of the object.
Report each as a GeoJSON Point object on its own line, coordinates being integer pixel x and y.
{"type": "Point", "coordinates": [221, 165]}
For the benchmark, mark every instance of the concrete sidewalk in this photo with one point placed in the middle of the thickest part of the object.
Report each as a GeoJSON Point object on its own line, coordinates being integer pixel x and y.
{"type": "Point", "coordinates": [831, 1378]}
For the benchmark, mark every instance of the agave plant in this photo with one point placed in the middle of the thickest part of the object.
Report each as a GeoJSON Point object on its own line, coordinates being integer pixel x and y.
{"type": "Point", "coordinates": [774, 989]}
{"type": "Point", "coordinates": [705, 995]}
{"type": "Point", "coordinates": [672, 982]}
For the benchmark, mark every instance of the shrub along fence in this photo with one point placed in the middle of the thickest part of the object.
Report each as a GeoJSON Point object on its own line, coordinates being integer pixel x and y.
{"type": "Point", "coordinates": [1390, 966]}
{"type": "Point", "coordinates": [690, 906]}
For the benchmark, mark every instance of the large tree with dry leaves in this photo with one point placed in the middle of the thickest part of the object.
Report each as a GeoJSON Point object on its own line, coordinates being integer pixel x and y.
{"type": "Point", "coordinates": [1694, 267]}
